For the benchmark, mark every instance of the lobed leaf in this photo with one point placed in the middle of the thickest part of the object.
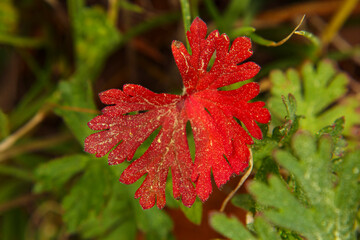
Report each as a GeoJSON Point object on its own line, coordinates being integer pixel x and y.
{"type": "Point", "coordinates": [56, 173]}
{"type": "Point", "coordinates": [221, 143]}
{"type": "Point", "coordinates": [317, 91]}
{"type": "Point", "coordinates": [230, 227]}
{"type": "Point", "coordinates": [80, 203]}
{"type": "Point", "coordinates": [234, 229]}
{"type": "Point", "coordinates": [331, 205]}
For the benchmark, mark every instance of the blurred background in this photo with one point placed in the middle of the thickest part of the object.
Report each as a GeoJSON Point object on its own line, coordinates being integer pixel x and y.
{"type": "Point", "coordinates": [57, 55]}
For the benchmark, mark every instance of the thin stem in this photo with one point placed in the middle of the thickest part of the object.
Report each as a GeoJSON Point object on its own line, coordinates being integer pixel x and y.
{"type": "Point", "coordinates": [276, 44]}
{"type": "Point", "coordinates": [34, 145]}
{"type": "Point", "coordinates": [185, 9]}
{"type": "Point", "coordinates": [77, 109]}
{"type": "Point", "coordinates": [242, 180]}
{"type": "Point", "coordinates": [10, 140]}
{"type": "Point", "coordinates": [21, 42]}
{"type": "Point", "coordinates": [113, 11]}
{"type": "Point", "coordinates": [16, 172]}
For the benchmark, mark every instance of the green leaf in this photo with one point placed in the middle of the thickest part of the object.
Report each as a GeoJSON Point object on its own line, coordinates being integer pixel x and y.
{"type": "Point", "coordinates": [316, 91]}
{"type": "Point", "coordinates": [194, 213]}
{"type": "Point", "coordinates": [155, 223]}
{"type": "Point", "coordinates": [54, 174]}
{"type": "Point", "coordinates": [265, 230]}
{"type": "Point", "coordinates": [268, 166]}
{"type": "Point", "coordinates": [335, 131]}
{"type": "Point", "coordinates": [233, 229]}
{"type": "Point", "coordinates": [332, 203]}
{"type": "Point", "coordinates": [87, 196]}
{"type": "Point", "coordinates": [262, 149]}
{"type": "Point", "coordinates": [95, 37]}
{"type": "Point", "coordinates": [116, 219]}
{"type": "Point", "coordinates": [98, 207]}
{"type": "Point", "coordinates": [230, 227]}
{"type": "Point", "coordinates": [347, 196]}
{"type": "Point", "coordinates": [282, 134]}
{"type": "Point", "coordinates": [244, 201]}
{"type": "Point", "coordinates": [76, 106]}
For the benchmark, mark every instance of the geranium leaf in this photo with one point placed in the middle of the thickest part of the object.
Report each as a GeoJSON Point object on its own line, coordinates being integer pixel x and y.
{"type": "Point", "coordinates": [221, 143]}
{"type": "Point", "coordinates": [331, 205]}
{"type": "Point", "coordinates": [230, 227]}
{"type": "Point", "coordinates": [76, 213]}
{"type": "Point", "coordinates": [316, 89]}
{"type": "Point", "coordinates": [335, 130]}
{"type": "Point", "coordinates": [56, 173]}
{"type": "Point", "coordinates": [234, 229]}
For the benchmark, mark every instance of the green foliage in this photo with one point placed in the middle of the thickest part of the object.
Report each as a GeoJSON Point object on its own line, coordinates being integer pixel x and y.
{"type": "Point", "coordinates": [230, 227]}
{"type": "Point", "coordinates": [244, 201]}
{"type": "Point", "coordinates": [107, 211]}
{"type": "Point", "coordinates": [304, 185]}
{"type": "Point", "coordinates": [331, 203]}
{"type": "Point", "coordinates": [94, 38]}
{"type": "Point", "coordinates": [324, 217]}
{"type": "Point", "coordinates": [310, 199]}
{"type": "Point", "coordinates": [96, 179]}
{"type": "Point", "coordinates": [194, 214]}
{"type": "Point", "coordinates": [335, 131]}
{"type": "Point", "coordinates": [76, 106]}
{"type": "Point", "coordinates": [54, 174]}
{"type": "Point", "coordinates": [233, 228]}
{"type": "Point", "coordinates": [316, 92]}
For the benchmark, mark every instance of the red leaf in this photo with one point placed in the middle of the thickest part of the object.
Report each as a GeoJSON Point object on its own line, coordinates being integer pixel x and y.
{"type": "Point", "coordinates": [221, 143]}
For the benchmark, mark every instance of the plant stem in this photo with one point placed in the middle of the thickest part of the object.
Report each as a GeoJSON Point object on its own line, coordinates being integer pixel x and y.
{"type": "Point", "coordinates": [241, 182]}
{"type": "Point", "coordinates": [9, 141]}
{"type": "Point", "coordinates": [21, 42]}
{"type": "Point", "coordinates": [185, 9]}
{"type": "Point", "coordinates": [113, 11]}
{"type": "Point", "coordinates": [16, 172]}
{"type": "Point", "coordinates": [34, 145]}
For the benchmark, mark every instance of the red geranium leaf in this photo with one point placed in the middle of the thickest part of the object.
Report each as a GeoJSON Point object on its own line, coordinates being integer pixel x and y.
{"type": "Point", "coordinates": [221, 143]}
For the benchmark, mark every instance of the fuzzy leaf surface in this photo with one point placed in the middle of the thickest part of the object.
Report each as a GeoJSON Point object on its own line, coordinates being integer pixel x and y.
{"type": "Point", "coordinates": [319, 92]}
{"type": "Point", "coordinates": [332, 203]}
{"type": "Point", "coordinates": [221, 143]}
{"type": "Point", "coordinates": [232, 228]}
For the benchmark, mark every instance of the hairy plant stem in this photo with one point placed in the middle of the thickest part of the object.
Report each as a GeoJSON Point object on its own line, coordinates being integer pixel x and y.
{"type": "Point", "coordinates": [241, 182]}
